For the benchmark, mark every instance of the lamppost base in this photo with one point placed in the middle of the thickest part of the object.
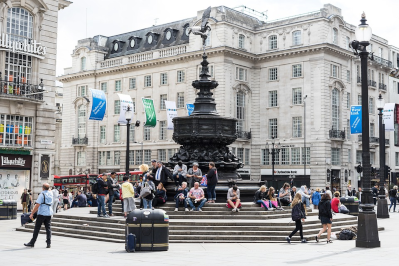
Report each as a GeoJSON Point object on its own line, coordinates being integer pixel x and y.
{"type": "Point", "coordinates": [382, 208]}
{"type": "Point", "coordinates": [367, 231]}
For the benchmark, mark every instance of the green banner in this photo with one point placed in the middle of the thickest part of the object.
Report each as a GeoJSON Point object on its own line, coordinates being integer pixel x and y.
{"type": "Point", "coordinates": [151, 118]}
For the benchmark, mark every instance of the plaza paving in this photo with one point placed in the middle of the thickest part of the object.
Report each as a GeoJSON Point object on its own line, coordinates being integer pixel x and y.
{"type": "Point", "coordinates": [67, 251]}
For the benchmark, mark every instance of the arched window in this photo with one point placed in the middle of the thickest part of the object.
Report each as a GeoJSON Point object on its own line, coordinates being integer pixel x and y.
{"type": "Point", "coordinates": [241, 41]}
{"type": "Point", "coordinates": [335, 36]}
{"type": "Point", "coordinates": [297, 37]}
{"type": "Point", "coordinates": [19, 28]}
{"type": "Point", "coordinates": [208, 39]}
{"type": "Point", "coordinates": [273, 42]}
{"type": "Point", "coordinates": [335, 109]}
{"type": "Point", "coordinates": [240, 111]}
{"type": "Point", "coordinates": [81, 121]}
{"type": "Point", "coordinates": [83, 63]}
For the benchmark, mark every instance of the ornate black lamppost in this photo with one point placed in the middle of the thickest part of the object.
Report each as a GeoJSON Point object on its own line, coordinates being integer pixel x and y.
{"type": "Point", "coordinates": [274, 151]}
{"type": "Point", "coordinates": [367, 221]}
{"type": "Point", "coordinates": [382, 207]}
{"type": "Point", "coordinates": [128, 116]}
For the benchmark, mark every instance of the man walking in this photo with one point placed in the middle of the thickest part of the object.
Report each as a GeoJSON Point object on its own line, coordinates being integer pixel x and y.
{"type": "Point", "coordinates": [44, 212]}
{"type": "Point", "coordinates": [113, 191]}
{"type": "Point", "coordinates": [102, 191]}
{"type": "Point", "coordinates": [25, 197]}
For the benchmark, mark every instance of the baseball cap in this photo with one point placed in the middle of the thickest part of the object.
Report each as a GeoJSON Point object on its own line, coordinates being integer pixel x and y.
{"type": "Point", "coordinates": [153, 161]}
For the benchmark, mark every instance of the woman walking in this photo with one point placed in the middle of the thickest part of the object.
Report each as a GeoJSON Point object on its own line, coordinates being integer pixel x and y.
{"type": "Point", "coordinates": [325, 217]}
{"type": "Point", "coordinates": [65, 200]}
{"type": "Point", "coordinates": [298, 216]}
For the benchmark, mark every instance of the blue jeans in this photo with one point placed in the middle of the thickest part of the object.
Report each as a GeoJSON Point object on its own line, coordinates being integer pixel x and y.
{"type": "Point", "coordinates": [101, 205]}
{"type": "Point", "coordinates": [178, 178]}
{"type": "Point", "coordinates": [111, 199]}
{"type": "Point", "coordinates": [393, 202]}
{"type": "Point", "coordinates": [306, 201]}
{"type": "Point", "coordinates": [74, 204]}
{"type": "Point", "coordinates": [211, 192]}
{"type": "Point", "coordinates": [191, 202]}
{"type": "Point", "coordinates": [178, 203]}
{"type": "Point", "coordinates": [147, 204]}
{"type": "Point", "coordinates": [262, 204]}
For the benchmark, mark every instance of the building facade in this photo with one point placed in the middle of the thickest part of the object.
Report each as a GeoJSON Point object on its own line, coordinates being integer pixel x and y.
{"type": "Point", "coordinates": [265, 70]}
{"type": "Point", "coordinates": [28, 47]}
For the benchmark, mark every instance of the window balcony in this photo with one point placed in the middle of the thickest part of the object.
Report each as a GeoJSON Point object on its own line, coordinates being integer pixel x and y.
{"type": "Point", "coordinates": [244, 134]}
{"type": "Point", "coordinates": [337, 134]}
{"type": "Point", "coordinates": [373, 140]}
{"type": "Point", "coordinates": [382, 86]}
{"type": "Point", "coordinates": [80, 141]}
{"type": "Point", "coordinates": [13, 86]}
{"type": "Point", "coordinates": [372, 83]}
{"type": "Point", "coordinates": [383, 62]}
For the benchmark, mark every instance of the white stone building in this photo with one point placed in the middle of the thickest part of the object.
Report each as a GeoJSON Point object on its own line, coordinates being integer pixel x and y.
{"type": "Point", "coordinates": [28, 47]}
{"type": "Point", "coordinates": [264, 70]}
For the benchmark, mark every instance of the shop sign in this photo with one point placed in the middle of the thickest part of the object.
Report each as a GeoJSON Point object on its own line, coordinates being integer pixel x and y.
{"type": "Point", "coordinates": [15, 161]}
{"type": "Point", "coordinates": [285, 171]}
{"type": "Point", "coordinates": [32, 48]}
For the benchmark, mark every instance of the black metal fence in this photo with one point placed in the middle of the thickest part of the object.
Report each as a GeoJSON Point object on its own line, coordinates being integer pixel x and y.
{"type": "Point", "coordinates": [80, 141]}
{"type": "Point", "coordinates": [16, 87]}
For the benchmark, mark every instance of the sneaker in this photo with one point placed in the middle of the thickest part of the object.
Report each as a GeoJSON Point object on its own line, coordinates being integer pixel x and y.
{"type": "Point", "coordinates": [237, 210]}
{"type": "Point", "coordinates": [304, 241]}
{"type": "Point", "coordinates": [199, 209]}
{"type": "Point", "coordinates": [288, 240]}
{"type": "Point", "coordinates": [317, 239]}
{"type": "Point", "coordinates": [106, 216]}
{"type": "Point", "coordinates": [99, 215]}
{"type": "Point", "coordinates": [176, 209]}
{"type": "Point", "coordinates": [192, 210]}
{"type": "Point", "coordinates": [233, 210]}
{"type": "Point", "coordinates": [186, 210]}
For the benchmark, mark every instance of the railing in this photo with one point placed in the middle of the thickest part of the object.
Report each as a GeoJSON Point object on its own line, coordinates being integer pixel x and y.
{"type": "Point", "coordinates": [140, 57]}
{"type": "Point", "coordinates": [382, 86]}
{"type": "Point", "coordinates": [372, 139]}
{"type": "Point", "coordinates": [173, 51]}
{"type": "Point", "coordinates": [13, 86]}
{"type": "Point", "coordinates": [337, 134]}
{"type": "Point", "coordinates": [372, 83]}
{"type": "Point", "coordinates": [111, 63]}
{"type": "Point", "coordinates": [80, 141]}
{"type": "Point", "coordinates": [359, 80]}
{"type": "Point", "coordinates": [382, 61]}
{"type": "Point", "coordinates": [244, 134]}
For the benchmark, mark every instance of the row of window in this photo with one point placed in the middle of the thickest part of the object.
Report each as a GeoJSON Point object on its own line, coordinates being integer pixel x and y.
{"type": "Point", "coordinates": [286, 156]}
{"type": "Point", "coordinates": [370, 76]}
{"type": "Point", "coordinates": [146, 133]}
{"type": "Point", "coordinates": [296, 127]}
{"type": "Point", "coordinates": [296, 97]}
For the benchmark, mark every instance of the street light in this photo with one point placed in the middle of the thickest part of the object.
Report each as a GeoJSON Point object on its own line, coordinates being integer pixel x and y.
{"type": "Point", "coordinates": [367, 221]}
{"type": "Point", "coordinates": [382, 207]}
{"type": "Point", "coordinates": [304, 136]}
{"type": "Point", "coordinates": [128, 115]}
{"type": "Point", "coordinates": [274, 151]}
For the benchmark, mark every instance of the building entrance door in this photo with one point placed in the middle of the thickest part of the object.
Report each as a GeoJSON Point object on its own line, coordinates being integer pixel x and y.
{"type": "Point", "coordinates": [335, 181]}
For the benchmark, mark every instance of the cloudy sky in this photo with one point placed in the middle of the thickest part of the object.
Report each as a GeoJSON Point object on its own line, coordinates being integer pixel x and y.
{"type": "Point", "coordinates": [111, 17]}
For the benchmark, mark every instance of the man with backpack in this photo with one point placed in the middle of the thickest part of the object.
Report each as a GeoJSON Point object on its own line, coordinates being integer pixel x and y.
{"type": "Point", "coordinates": [100, 188]}
{"type": "Point", "coordinates": [44, 213]}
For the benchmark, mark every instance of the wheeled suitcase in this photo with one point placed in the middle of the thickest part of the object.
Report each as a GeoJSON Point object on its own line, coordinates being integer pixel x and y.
{"type": "Point", "coordinates": [130, 243]}
{"type": "Point", "coordinates": [25, 219]}
{"type": "Point", "coordinates": [151, 228]}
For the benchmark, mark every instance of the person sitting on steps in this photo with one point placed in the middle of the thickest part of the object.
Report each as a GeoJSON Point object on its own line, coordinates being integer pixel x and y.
{"type": "Point", "coordinates": [196, 195]}
{"type": "Point", "coordinates": [181, 196]}
{"type": "Point", "coordinates": [179, 174]}
{"type": "Point", "coordinates": [285, 195]}
{"type": "Point", "coordinates": [233, 198]}
{"type": "Point", "coordinates": [260, 197]}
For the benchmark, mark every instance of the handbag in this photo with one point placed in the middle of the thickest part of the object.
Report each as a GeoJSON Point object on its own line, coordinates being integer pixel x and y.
{"type": "Point", "coordinates": [204, 181]}
{"type": "Point", "coordinates": [145, 191]}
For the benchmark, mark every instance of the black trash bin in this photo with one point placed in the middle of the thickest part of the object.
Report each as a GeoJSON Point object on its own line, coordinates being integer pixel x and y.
{"type": "Point", "coordinates": [352, 203]}
{"type": "Point", "coordinates": [151, 228]}
{"type": "Point", "coordinates": [8, 209]}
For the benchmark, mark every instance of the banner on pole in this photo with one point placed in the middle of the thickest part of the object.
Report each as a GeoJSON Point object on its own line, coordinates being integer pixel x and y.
{"type": "Point", "coordinates": [356, 119]}
{"type": "Point", "coordinates": [98, 106]}
{"type": "Point", "coordinates": [171, 112]}
{"type": "Point", "coordinates": [125, 101]}
{"type": "Point", "coordinates": [388, 116]}
{"type": "Point", "coordinates": [150, 116]}
{"type": "Point", "coordinates": [190, 108]}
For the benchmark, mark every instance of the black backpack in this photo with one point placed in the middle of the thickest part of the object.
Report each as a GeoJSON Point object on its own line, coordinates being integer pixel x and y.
{"type": "Point", "coordinates": [94, 187]}
{"type": "Point", "coordinates": [297, 213]}
{"type": "Point", "coordinates": [346, 234]}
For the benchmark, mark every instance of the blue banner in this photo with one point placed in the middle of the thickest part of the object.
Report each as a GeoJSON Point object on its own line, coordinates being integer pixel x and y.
{"type": "Point", "coordinates": [190, 108]}
{"type": "Point", "coordinates": [99, 104]}
{"type": "Point", "coordinates": [356, 119]}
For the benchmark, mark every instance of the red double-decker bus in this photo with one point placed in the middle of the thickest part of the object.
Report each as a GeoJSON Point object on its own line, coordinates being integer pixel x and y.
{"type": "Point", "coordinates": [134, 176]}
{"type": "Point", "coordinates": [74, 181]}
